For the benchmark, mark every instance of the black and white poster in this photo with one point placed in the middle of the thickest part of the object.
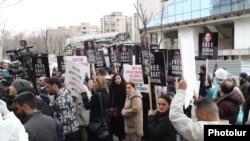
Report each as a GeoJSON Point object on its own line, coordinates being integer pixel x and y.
{"type": "Point", "coordinates": [41, 66]}
{"type": "Point", "coordinates": [125, 54]}
{"type": "Point", "coordinates": [80, 52]}
{"type": "Point", "coordinates": [208, 45]}
{"type": "Point", "coordinates": [113, 53]}
{"type": "Point", "coordinates": [100, 59]}
{"type": "Point", "coordinates": [61, 62]}
{"type": "Point", "coordinates": [174, 63]}
{"type": "Point", "coordinates": [158, 73]}
{"type": "Point", "coordinates": [90, 51]}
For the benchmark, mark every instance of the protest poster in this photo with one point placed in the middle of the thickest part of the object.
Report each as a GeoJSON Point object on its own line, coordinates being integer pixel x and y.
{"type": "Point", "coordinates": [61, 63]}
{"type": "Point", "coordinates": [41, 66]}
{"type": "Point", "coordinates": [125, 54]}
{"type": "Point", "coordinates": [158, 71]}
{"type": "Point", "coordinates": [188, 69]}
{"type": "Point", "coordinates": [100, 59]}
{"type": "Point", "coordinates": [83, 63]}
{"type": "Point", "coordinates": [174, 64]}
{"type": "Point", "coordinates": [133, 73]}
{"type": "Point", "coordinates": [113, 53]}
{"type": "Point", "coordinates": [208, 45]}
{"type": "Point", "coordinates": [74, 77]}
{"type": "Point", "coordinates": [80, 52]}
{"type": "Point", "coordinates": [90, 51]}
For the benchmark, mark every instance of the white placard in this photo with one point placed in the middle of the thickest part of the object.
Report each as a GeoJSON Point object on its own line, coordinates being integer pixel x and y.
{"type": "Point", "coordinates": [188, 68]}
{"type": "Point", "coordinates": [133, 73]}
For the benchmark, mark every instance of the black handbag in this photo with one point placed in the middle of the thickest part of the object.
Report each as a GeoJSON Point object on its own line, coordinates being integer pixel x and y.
{"type": "Point", "coordinates": [99, 126]}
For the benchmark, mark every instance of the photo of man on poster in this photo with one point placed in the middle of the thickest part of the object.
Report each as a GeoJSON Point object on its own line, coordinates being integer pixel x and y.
{"type": "Point", "coordinates": [208, 45]}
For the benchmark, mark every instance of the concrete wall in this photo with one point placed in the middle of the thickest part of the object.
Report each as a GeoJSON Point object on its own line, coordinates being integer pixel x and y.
{"type": "Point", "coordinates": [241, 33]}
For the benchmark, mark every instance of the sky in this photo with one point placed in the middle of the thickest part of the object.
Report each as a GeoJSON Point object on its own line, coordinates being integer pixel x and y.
{"type": "Point", "coordinates": [35, 15]}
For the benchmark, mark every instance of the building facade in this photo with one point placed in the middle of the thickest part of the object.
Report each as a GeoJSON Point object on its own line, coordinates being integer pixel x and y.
{"type": "Point", "coordinates": [185, 19]}
{"type": "Point", "coordinates": [115, 22]}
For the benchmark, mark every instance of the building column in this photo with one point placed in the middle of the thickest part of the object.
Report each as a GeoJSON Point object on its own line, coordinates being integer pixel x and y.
{"type": "Point", "coordinates": [190, 33]}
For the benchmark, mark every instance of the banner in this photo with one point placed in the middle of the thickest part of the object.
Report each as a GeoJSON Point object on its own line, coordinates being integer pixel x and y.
{"type": "Point", "coordinates": [133, 73]}
{"type": "Point", "coordinates": [41, 66]}
{"type": "Point", "coordinates": [90, 51]}
{"type": "Point", "coordinates": [208, 45]}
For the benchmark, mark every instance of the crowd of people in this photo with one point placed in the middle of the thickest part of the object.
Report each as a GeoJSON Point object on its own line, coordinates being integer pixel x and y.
{"type": "Point", "coordinates": [53, 113]}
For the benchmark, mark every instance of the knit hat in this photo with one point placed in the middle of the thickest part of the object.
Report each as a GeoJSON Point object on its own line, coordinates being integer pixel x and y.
{"type": "Point", "coordinates": [221, 74]}
{"type": "Point", "coordinates": [18, 84]}
{"type": "Point", "coordinates": [243, 75]}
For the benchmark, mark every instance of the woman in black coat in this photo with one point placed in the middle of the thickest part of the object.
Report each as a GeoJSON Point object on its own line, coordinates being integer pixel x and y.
{"type": "Point", "coordinates": [117, 100]}
{"type": "Point", "coordinates": [99, 87]}
{"type": "Point", "coordinates": [159, 125]}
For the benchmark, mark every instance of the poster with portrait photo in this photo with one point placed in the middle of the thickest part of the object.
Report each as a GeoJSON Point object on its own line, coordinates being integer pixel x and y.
{"type": "Point", "coordinates": [40, 65]}
{"type": "Point", "coordinates": [80, 52]}
{"type": "Point", "coordinates": [174, 63]}
{"type": "Point", "coordinates": [90, 51]}
{"type": "Point", "coordinates": [145, 44]}
{"type": "Point", "coordinates": [137, 54]}
{"type": "Point", "coordinates": [100, 59]}
{"type": "Point", "coordinates": [113, 53]}
{"type": "Point", "coordinates": [208, 45]}
{"type": "Point", "coordinates": [125, 54]}
{"type": "Point", "coordinates": [61, 63]}
{"type": "Point", "coordinates": [158, 71]}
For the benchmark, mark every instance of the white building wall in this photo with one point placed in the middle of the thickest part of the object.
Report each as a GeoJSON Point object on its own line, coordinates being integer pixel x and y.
{"type": "Point", "coordinates": [241, 33]}
{"type": "Point", "coordinates": [190, 33]}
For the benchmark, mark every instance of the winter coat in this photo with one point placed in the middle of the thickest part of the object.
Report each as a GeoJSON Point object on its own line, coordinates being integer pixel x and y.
{"type": "Point", "coordinates": [229, 106]}
{"type": "Point", "coordinates": [11, 129]}
{"type": "Point", "coordinates": [161, 128]}
{"type": "Point", "coordinates": [133, 114]}
{"type": "Point", "coordinates": [185, 126]}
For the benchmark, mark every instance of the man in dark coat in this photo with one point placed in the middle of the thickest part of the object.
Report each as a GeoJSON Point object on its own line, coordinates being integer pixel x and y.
{"type": "Point", "coordinates": [202, 74]}
{"type": "Point", "coordinates": [40, 127]}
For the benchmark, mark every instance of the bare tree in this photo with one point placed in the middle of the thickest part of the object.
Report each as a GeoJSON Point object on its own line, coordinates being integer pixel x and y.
{"type": "Point", "coordinates": [162, 15]}
{"type": "Point", "coordinates": [143, 16]}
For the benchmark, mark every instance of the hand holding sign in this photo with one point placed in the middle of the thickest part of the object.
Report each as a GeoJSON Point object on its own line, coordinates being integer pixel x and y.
{"type": "Point", "coordinates": [182, 84]}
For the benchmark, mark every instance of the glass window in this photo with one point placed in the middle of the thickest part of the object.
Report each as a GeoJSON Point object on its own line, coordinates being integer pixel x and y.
{"type": "Point", "coordinates": [195, 14]}
{"type": "Point", "coordinates": [165, 21]}
{"type": "Point", "coordinates": [247, 4]}
{"type": "Point", "coordinates": [171, 19]}
{"type": "Point", "coordinates": [186, 6]}
{"type": "Point", "coordinates": [178, 8]}
{"type": "Point", "coordinates": [196, 5]}
{"type": "Point", "coordinates": [187, 16]}
{"type": "Point", "coordinates": [170, 10]}
{"type": "Point", "coordinates": [157, 22]}
{"type": "Point", "coordinates": [205, 12]}
{"type": "Point", "coordinates": [178, 1]}
{"type": "Point", "coordinates": [237, 6]}
{"type": "Point", "coordinates": [205, 4]}
{"type": "Point", "coordinates": [215, 10]}
{"type": "Point", "coordinates": [226, 2]}
{"type": "Point", "coordinates": [226, 8]}
{"type": "Point", "coordinates": [178, 18]}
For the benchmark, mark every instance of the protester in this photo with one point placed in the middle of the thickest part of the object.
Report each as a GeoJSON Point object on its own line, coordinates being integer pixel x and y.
{"type": "Point", "coordinates": [133, 113]}
{"type": "Point", "coordinates": [117, 100]}
{"type": "Point", "coordinates": [206, 112]}
{"type": "Point", "coordinates": [160, 127]}
{"type": "Point", "coordinates": [41, 81]}
{"type": "Point", "coordinates": [11, 129]}
{"type": "Point", "coordinates": [228, 102]}
{"type": "Point", "coordinates": [40, 127]}
{"type": "Point", "coordinates": [220, 75]}
{"type": "Point", "coordinates": [202, 79]}
{"type": "Point", "coordinates": [100, 88]}
{"type": "Point", "coordinates": [64, 108]}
